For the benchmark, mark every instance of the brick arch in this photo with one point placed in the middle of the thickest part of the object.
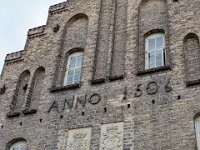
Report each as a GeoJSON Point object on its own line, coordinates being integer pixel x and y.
{"type": "Point", "coordinates": [192, 55]}
{"type": "Point", "coordinates": [35, 90]}
{"type": "Point", "coordinates": [197, 115]}
{"type": "Point", "coordinates": [74, 38]}
{"type": "Point", "coordinates": [21, 91]}
{"type": "Point", "coordinates": [75, 32]}
{"type": "Point", "coordinates": [74, 18]}
{"type": "Point", "coordinates": [73, 50]}
{"type": "Point", "coordinates": [153, 31]}
{"type": "Point", "coordinates": [152, 17]}
{"type": "Point", "coordinates": [13, 141]}
{"type": "Point", "coordinates": [189, 36]}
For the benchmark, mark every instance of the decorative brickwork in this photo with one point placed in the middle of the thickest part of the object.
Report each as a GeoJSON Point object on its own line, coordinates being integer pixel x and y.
{"type": "Point", "coordinates": [118, 103]}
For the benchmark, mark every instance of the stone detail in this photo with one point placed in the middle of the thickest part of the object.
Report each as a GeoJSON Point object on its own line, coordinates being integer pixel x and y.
{"type": "Point", "coordinates": [125, 93]}
{"type": "Point", "coordinates": [56, 28]}
{"type": "Point", "coordinates": [3, 89]}
{"type": "Point", "coordinates": [158, 85]}
{"type": "Point", "coordinates": [168, 87]}
{"type": "Point", "coordinates": [95, 99]}
{"type": "Point", "coordinates": [112, 136]}
{"type": "Point", "coordinates": [152, 88]}
{"type": "Point", "coordinates": [79, 139]}
{"type": "Point", "coordinates": [138, 91]}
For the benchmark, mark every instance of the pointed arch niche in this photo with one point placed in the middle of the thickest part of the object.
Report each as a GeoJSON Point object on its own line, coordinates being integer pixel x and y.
{"type": "Point", "coordinates": [192, 55]}
{"type": "Point", "coordinates": [76, 32]}
{"type": "Point", "coordinates": [152, 16]}
{"type": "Point", "coordinates": [74, 36]}
{"type": "Point", "coordinates": [36, 89]}
{"type": "Point", "coordinates": [19, 99]}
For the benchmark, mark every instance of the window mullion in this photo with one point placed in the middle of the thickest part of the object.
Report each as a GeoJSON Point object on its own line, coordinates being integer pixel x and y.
{"type": "Point", "coordinates": [73, 75]}
{"type": "Point", "coordinates": [154, 54]}
{"type": "Point", "coordinates": [76, 66]}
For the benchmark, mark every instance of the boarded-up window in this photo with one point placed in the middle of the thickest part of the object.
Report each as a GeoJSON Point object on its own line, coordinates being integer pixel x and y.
{"type": "Point", "coordinates": [192, 55]}
{"type": "Point", "coordinates": [36, 89]}
{"type": "Point", "coordinates": [21, 91]}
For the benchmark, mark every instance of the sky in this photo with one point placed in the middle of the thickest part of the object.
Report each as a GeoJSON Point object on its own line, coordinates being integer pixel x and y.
{"type": "Point", "coordinates": [16, 17]}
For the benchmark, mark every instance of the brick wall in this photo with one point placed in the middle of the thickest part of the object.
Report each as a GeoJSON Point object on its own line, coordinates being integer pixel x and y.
{"type": "Point", "coordinates": [156, 107]}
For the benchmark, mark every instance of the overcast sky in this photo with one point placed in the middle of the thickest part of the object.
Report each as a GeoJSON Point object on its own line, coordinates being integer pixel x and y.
{"type": "Point", "coordinates": [16, 17]}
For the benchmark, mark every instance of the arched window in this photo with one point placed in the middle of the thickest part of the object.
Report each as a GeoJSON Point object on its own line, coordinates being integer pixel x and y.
{"type": "Point", "coordinates": [155, 51]}
{"type": "Point", "coordinates": [73, 68]}
{"type": "Point", "coordinates": [197, 128]}
{"type": "Point", "coordinates": [21, 145]}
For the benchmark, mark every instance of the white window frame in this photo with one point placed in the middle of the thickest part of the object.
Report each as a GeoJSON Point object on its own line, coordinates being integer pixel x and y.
{"type": "Point", "coordinates": [75, 54]}
{"type": "Point", "coordinates": [147, 52]}
{"type": "Point", "coordinates": [197, 130]}
{"type": "Point", "coordinates": [18, 145]}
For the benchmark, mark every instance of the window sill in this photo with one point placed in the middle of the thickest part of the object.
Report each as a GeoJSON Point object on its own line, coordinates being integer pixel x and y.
{"type": "Point", "coordinates": [104, 80]}
{"type": "Point", "coordinates": [153, 70]}
{"type": "Point", "coordinates": [64, 88]}
{"type": "Point", "coordinates": [114, 78]}
{"type": "Point", "coordinates": [98, 81]}
{"type": "Point", "coordinates": [192, 83]}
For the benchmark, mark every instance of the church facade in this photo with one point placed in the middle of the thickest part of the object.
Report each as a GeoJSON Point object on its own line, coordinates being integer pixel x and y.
{"type": "Point", "coordinates": [106, 75]}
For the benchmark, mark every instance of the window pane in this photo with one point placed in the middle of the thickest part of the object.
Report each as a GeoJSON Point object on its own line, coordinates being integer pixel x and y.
{"type": "Point", "coordinates": [78, 71]}
{"type": "Point", "coordinates": [69, 80]}
{"type": "Point", "coordinates": [159, 42]}
{"type": "Point", "coordinates": [197, 127]}
{"type": "Point", "coordinates": [72, 62]}
{"type": "Point", "coordinates": [151, 60]}
{"type": "Point", "coordinates": [159, 58]}
{"type": "Point", "coordinates": [77, 78]}
{"type": "Point", "coordinates": [23, 148]}
{"type": "Point", "coordinates": [74, 68]}
{"type": "Point", "coordinates": [151, 44]}
{"type": "Point", "coordinates": [79, 61]}
{"type": "Point", "coordinates": [70, 72]}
